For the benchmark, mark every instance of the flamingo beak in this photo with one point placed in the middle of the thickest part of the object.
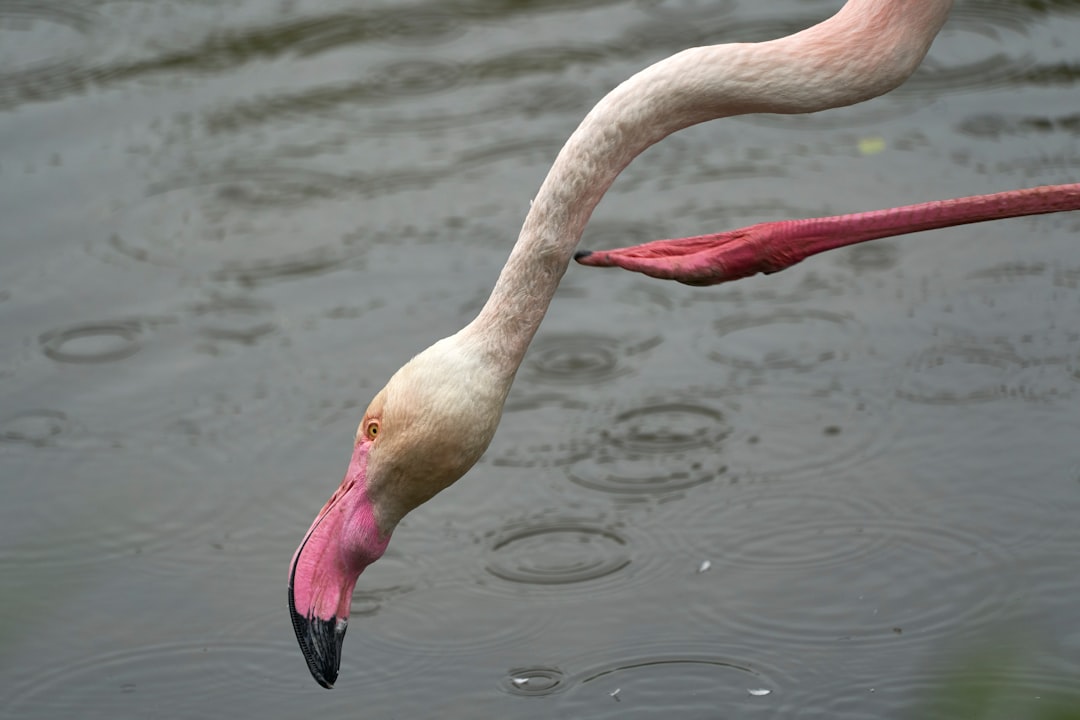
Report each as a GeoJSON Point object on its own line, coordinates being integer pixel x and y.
{"type": "Point", "coordinates": [343, 540]}
{"type": "Point", "coordinates": [320, 641]}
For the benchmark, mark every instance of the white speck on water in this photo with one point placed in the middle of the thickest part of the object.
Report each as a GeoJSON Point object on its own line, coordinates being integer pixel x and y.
{"type": "Point", "coordinates": [704, 567]}
{"type": "Point", "coordinates": [759, 692]}
{"type": "Point", "coordinates": [615, 694]}
{"type": "Point", "coordinates": [520, 682]}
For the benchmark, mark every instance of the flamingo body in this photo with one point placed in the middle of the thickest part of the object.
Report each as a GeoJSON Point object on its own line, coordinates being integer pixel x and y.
{"type": "Point", "coordinates": [438, 413]}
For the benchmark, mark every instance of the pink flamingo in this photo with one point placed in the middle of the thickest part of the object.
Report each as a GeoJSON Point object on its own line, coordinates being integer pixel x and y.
{"type": "Point", "coordinates": [437, 414]}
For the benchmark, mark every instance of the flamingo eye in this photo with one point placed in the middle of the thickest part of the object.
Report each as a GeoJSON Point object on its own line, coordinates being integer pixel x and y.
{"type": "Point", "coordinates": [371, 430]}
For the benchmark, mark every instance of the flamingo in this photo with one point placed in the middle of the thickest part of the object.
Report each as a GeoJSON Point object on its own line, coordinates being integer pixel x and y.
{"type": "Point", "coordinates": [436, 415]}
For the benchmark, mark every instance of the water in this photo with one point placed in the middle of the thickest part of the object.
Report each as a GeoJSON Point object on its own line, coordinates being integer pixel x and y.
{"type": "Point", "coordinates": [226, 224]}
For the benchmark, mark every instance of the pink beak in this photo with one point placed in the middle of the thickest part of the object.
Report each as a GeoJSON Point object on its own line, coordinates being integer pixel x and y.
{"type": "Point", "coordinates": [343, 540]}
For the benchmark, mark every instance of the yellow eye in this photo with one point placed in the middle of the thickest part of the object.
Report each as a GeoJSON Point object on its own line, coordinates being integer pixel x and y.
{"type": "Point", "coordinates": [371, 430]}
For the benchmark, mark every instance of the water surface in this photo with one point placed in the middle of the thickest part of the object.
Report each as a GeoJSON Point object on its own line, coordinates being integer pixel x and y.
{"type": "Point", "coordinates": [813, 494]}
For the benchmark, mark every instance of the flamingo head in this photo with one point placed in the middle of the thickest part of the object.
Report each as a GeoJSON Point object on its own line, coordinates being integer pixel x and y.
{"type": "Point", "coordinates": [422, 432]}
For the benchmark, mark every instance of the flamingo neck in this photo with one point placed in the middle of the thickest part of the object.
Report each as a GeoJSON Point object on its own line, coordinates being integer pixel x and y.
{"type": "Point", "coordinates": [866, 49]}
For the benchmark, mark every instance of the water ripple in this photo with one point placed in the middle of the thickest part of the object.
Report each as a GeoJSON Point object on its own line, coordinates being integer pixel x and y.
{"type": "Point", "coordinates": [795, 339]}
{"type": "Point", "coordinates": [557, 551]}
{"type": "Point", "coordinates": [690, 679]}
{"type": "Point", "coordinates": [517, 445]}
{"type": "Point", "coordinates": [232, 319]}
{"type": "Point", "coordinates": [533, 681]}
{"type": "Point", "coordinates": [39, 428]}
{"type": "Point", "coordinates": [141, 506]}
{"type": "Point", "coordinates": [240, 225]}
{"type": "Point", "coordinates": [926, 580]}
{"type": "Point", "coordinates": [659, 446]}
{"type": "Point", "coordinates": [450, 619]}
{"type": "Point", "coordinates": [789, 429]}
{"type": "Point", "coordinates": [967, 370]}
{"type": "Point", "coordinates": [93, 342]}
{"type": "Point", "coordinates": [1026, 343]}
{"type": "Point", "coordinates": [582, 358]}
{"type": "Point", "coordinates": [427, 77]}
{"type": "Point", "coordinates": [772, 529]}
{"type": "Point", "coordinates": [666, 427]}
{"type": "Point", "coordinates": [529, 100]}
{"type": "Point", "coordinates": [191, 678]}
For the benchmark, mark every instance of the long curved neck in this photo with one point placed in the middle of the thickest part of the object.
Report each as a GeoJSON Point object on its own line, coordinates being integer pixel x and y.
{"type": "Point", "coordinates": [866, 49]}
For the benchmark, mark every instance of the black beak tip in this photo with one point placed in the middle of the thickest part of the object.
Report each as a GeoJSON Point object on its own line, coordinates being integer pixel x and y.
{"type": "Point", "coordinates": [320, 641]}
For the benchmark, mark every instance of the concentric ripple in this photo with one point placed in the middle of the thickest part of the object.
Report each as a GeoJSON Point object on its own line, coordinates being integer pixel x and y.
{"type": "Point", "coordinates": [967, 371]}
{"type": "Point", "coordinates": [518, 445]}
{"type": "Point", "coordinates": [39, 428]}
{"type": "Point", "coordinates": [794, 339]}
{"type": "Point", "coordinates": [557, 551]}
{"type": "Point", "coordinates": [240, 225]}
{"type": "Point", "coordinates": [533, 681]}
{"type": "Point", "coordinates": [790, 428]}
{"type": "Point", "coordinates": [582, 358]}
{"type": "Point", "coordinates": [688, 679]}
{"type": "Point", "coordinates": [190, 678]}
{"type": "Point", "coordinates": [658, 447]}
{"type": "Point", "coordinates": [232, 319]}
{"type": "Point", "coordinates": [668, 427]}
{"type": "Point", "coordinates": [453, 620]}
{"type": "Point", "coordinates": [93, 342]}
{"type": "Point", "coordinates": [791, 527]}
{"type": "Point", "coordinates": [912, 580]}
{"type": "Point", "coordinates": [1017, 339]}
{"type": "Point", "coordinates": [141, 505]}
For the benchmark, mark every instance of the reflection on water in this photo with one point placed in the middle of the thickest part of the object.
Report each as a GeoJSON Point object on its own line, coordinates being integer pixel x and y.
{"type": "Point", "coordinates": [225, 225]}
